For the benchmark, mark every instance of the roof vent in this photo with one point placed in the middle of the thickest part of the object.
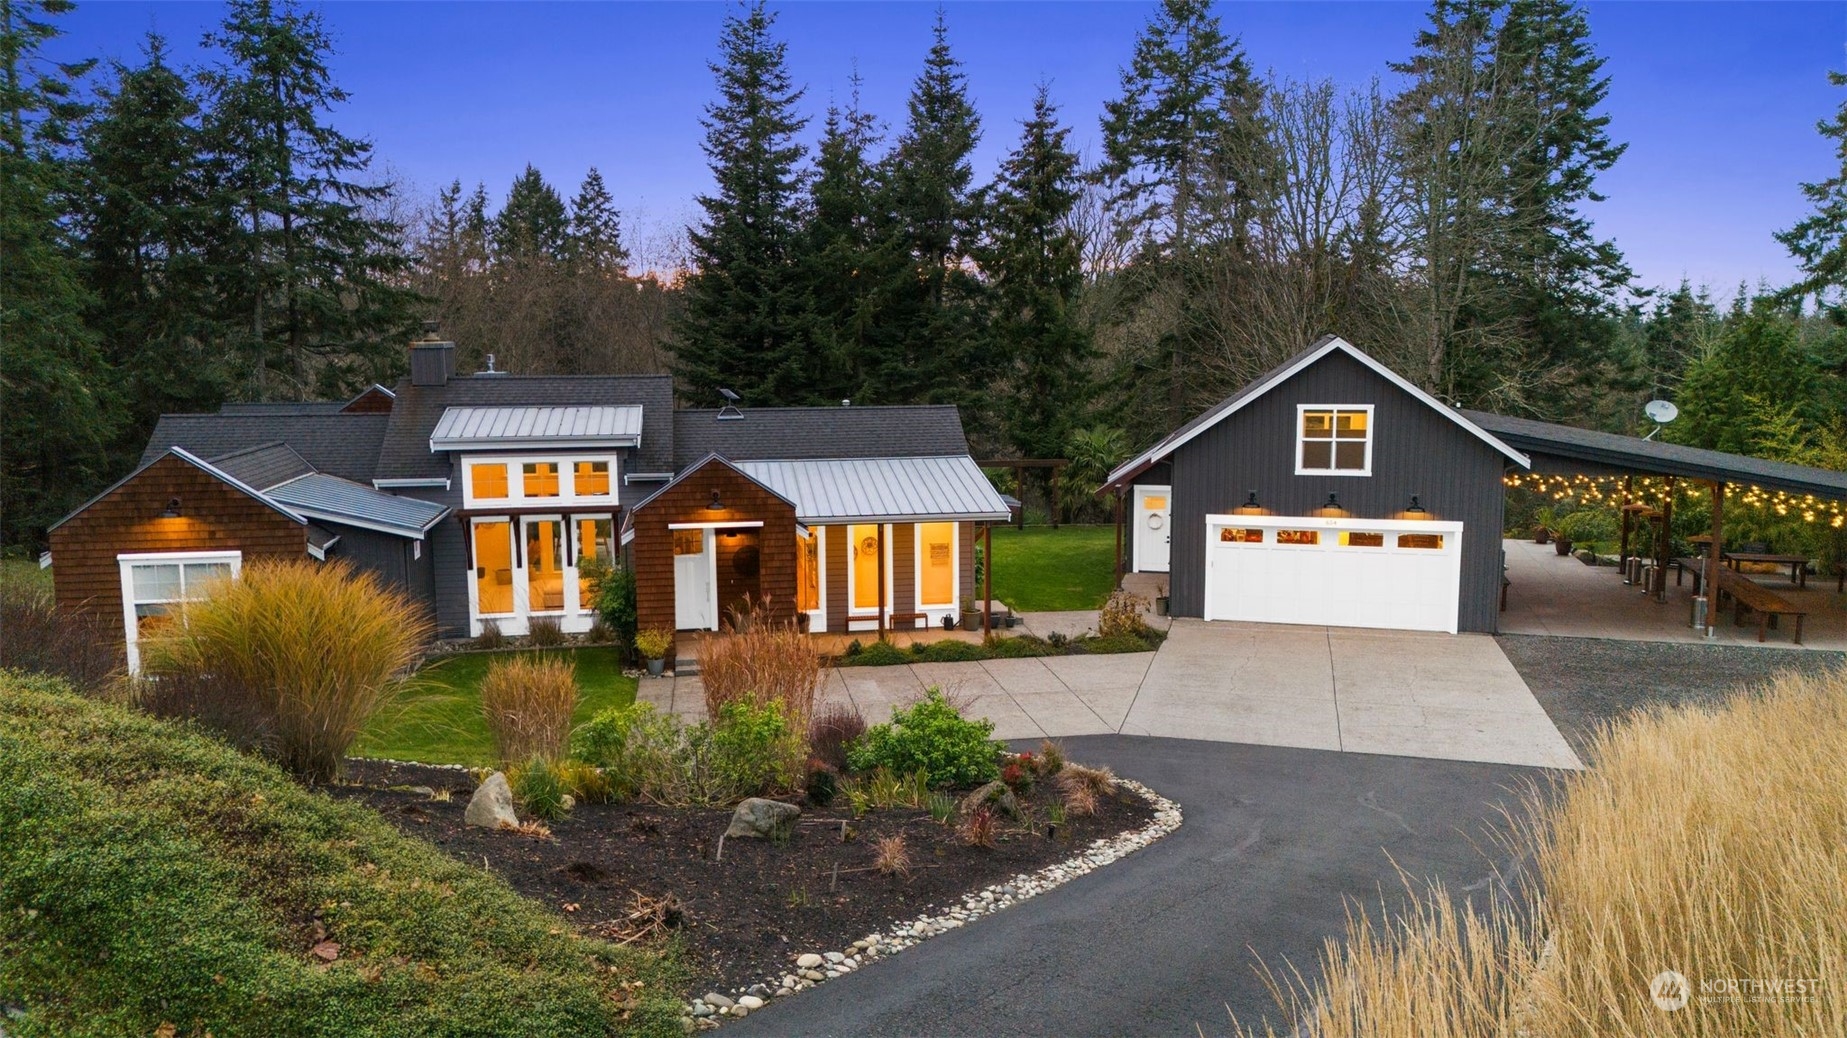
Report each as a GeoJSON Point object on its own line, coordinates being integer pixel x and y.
{"type": "Point", "coordinates": [846, 403]}
{"type": "Point", "coordinates": [489, 370]}
{"type": "Point", "coordinates": [730, 410]}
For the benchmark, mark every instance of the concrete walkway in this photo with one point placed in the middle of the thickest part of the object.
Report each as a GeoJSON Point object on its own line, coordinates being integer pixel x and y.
{"type": "Point", "coordinates": [1452, 697]}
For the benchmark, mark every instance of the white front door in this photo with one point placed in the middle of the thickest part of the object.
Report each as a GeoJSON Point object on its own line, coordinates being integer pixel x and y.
{"type": "Point", "coordinates": [1153, 512]}
{"type": "Point", "coordinates": [694, 608]}
{"type": "Point", "coordinates": [1398, 574]}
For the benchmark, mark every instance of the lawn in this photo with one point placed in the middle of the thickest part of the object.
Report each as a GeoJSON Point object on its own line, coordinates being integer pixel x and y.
{"type": "Point", "coordinates": [25, 575]}
{"type": "Point", "coordinates": [1042, 568]}
{"type": "Point", "coordinates": [439, 720]}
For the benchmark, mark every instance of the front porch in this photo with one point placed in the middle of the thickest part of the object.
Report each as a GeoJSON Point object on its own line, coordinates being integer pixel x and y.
{"type": "Point", "coordinates": [1552, 594]}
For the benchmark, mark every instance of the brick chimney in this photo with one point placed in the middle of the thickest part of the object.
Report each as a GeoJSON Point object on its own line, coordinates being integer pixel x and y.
{"type": "Point", "coordinates": [432, 359]}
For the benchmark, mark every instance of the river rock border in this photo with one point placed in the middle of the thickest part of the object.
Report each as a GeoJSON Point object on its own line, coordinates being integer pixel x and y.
{"type": "Point", "coordinates": [812, 968]}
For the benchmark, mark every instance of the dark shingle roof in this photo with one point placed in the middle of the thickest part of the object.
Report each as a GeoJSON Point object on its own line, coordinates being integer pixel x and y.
{"type": "Point", "coordinates": [417, 409]}
{"type": "Point", "coordinates": [264, 466]}
{"type": "Point", "coordinates": [1653, 457]}
{"type": "Point", "coordinates": [284, 407]}
{"type": "Point", "coordinates": [806, 433]}
{"type": "Point", "coordinates": [344, 445]}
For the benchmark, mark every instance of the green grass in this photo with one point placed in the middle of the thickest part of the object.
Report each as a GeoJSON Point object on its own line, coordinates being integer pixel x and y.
{"type": "Point", "coordinates": [24, 574]}
{"type": "Point", "coordinates": [155, 881]}
{"type": "Point", "coordinates": [439, 720]}
{"type": "Point", "coordinates": [1042, 568]}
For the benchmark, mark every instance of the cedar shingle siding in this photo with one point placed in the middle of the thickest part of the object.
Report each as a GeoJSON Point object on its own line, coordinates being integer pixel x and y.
{"type": "Point", "coordinates": [214, 516]}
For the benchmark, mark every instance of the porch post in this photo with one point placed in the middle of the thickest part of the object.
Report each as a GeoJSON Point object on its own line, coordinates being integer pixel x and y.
{"type": "Point", "coordinates": [1665, 544]}
{"type": "Point", "coordinates": [987, 580]}
{"type": "Point", "coordinates": [878, 555]}
{"type": "Point", "coordinates": [1713, 551]}
{"type": "Point", "coordinates": [1622, 553]}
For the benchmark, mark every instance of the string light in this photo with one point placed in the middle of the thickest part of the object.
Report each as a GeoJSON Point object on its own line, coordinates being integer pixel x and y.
{"type": "Point", "coordinates": [1609, 489]}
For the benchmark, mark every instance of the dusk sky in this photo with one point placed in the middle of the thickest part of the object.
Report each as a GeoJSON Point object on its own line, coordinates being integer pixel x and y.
{"type": "Point", "coordinates": [1718, 101]}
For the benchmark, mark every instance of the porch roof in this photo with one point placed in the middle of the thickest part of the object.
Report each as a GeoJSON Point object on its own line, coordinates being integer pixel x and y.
{"type": "Point", "coordinates": [332, 499]}
{"type": "Point", "coordinates": [591, 425]}
{"type": "Point", "coordinates": [886, 490]}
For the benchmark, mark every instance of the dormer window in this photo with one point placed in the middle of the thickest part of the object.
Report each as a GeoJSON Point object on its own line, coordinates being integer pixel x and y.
{"type": "Point", "coordinates": [1333, 440]}
{"type": "Point", "coordinates": [515, 481]}
{"type": "Point", "coordinates": [541, 478]}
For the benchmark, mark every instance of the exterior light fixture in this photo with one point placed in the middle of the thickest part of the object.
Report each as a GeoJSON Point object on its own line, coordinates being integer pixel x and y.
{"type": "Point", "coordinates": [1250, 506]}
{"type": "Point", "coordinates": [173, 509]}
{"type": "Point", "coordinates": [1332, 508]}
{"type": "Point", "coordinates": [715, 505]}
{"type": "Point", "coordinates": [1416, 509]}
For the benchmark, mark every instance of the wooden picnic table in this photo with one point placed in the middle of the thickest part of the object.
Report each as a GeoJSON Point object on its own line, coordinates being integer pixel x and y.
{"type": "Point", "coordinates": [1798, 564]}
{"type": "Point", "coordinates": [1748, 595]}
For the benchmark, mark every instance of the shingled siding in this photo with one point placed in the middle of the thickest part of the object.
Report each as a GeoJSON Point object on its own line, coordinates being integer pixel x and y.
{"type": "Point", "coordinates": [214, 516]}
{"type": "Point", "coordinates": [1415, 450]}
{"type": "Point", "coordinates": [685, 502]}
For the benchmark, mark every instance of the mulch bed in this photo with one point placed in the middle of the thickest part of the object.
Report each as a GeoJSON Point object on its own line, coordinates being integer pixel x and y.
{"type": "Point", "coordinates": [743, 919]}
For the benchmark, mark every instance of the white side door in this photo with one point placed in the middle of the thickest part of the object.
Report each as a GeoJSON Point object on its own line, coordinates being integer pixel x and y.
{"type": "Point", "coordinates": [1153, 534]}
{"type": "Point", "coordinates": [693, 607]}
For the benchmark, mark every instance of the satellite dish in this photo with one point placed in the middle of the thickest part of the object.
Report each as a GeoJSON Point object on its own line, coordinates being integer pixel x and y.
{"type": "Point", "coordinates": [1661, 411]}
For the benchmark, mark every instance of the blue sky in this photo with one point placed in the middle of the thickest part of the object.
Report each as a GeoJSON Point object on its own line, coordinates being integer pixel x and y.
{"type": "Point", "coordinates": [1718, 101]}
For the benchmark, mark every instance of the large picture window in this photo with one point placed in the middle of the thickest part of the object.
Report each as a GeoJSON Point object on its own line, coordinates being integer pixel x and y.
{"type": "Point", "coordinates": [507, 480]}
{"type": "Point", "coordinates": [156, 587]}
{"type": "Point", "coordinates": [936, 564]}
{"type": "Point", "coordinates": [1333, 440]}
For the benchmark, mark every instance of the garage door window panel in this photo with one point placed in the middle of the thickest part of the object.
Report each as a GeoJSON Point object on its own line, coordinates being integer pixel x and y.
{"type": "Point", "coordinates": [1334, 440]}
{"type": "Point", "coordinates": [1298, 537]}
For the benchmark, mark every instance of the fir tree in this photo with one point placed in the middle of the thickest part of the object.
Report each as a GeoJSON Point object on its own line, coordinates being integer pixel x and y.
{"type": "Point", "coordinates": [744, 322]}
{"type": "Point", "coordinates": [317, 289]}
{"type": "Point", "coordinates": [1035, 267]}
{"type": "Point", "coordinates": [532, 226]}
{"type": "Point", "coordinates": [842, 265]}
{"type": "Point", "coordinates": [1819, 241]}
{"type": "Point", "coordinates": [595, 242]}
{"type": "Point", "coordinates": [57, 412]}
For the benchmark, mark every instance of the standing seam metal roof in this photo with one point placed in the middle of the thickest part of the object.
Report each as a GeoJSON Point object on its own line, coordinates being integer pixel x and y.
{"type": "Point", "coordinates": [881, 489]}
{"type": "Point", "coordinates": [331, 498]}
{"type": "Point", "coordinates": [461, 427]}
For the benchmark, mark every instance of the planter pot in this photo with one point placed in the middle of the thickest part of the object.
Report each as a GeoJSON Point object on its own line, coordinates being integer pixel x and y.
{"type": "Point", "coordinates": [971, 620]}
{"type": "Point", "coordinates": [1562, 546]}
{"type": "Point", "coordinates": [655, 667]}
{"type": "Point", "coordinates": [1160, 605]}
{"type": "Point", "coordinates": [1541, 535]}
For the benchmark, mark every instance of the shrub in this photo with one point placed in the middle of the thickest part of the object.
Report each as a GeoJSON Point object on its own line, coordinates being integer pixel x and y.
{"type": "Point", "coordinates": [613, 591]}
{"type": "Point", "coordinates": [222, 706]}
{"type": "Point", "coordinates": [933, 738]}
{"type": "Point", "coordinates": [891, 855]}
{"type": "Point", "coordinates": [1017, 775]}
{"type": "Point", "coordinates": [1148, 641]}
{"type": "Point", "coordinates": [834, 729]}
{"type": "Point", "coordinates": [586, 782]}
{"type": "Point", "coordinates": [823, 783]}
{"type": "Point", "coordinates": [491, 639]}
{"type": "Point", "coordinates": [1122, 614]}
{"type": "Point", "coordinates": [153, 878]}
{"type": "Point", "coordinates": [761, 663]}
{"type": "Point", "coordinates": [853, 648]}
{"type": "Point", "coordinates": [878, 654]}
{"type": "Point", "coordinates": [1100, 781]}
{"type": "Point", "coordinates": [1080, 801]}
{"type": "Point", "coordinates": [654, 643]}
{"type": "Point", "coordinates": [544, 632]}
{"type": "Point", "coordinates": [540, 788]}
{"type": "Point", "coordinates": [528, 701]}
{"type": "Point", "coordinates": [979, 828]}
{"type": "Point", "coordinates": [599, 632]}
{"type": "Point", "coordinates": [320, 646]}
{"type": "Point", "coordinates": [82, 649]}
{"type": "Point", "coordinates": [952, 651]}
{"type": "Point", "coordinates": [882, 788]}
{"type": "Point", "coordinates": [747, 751]}
{"type": "Point", "coordinates": [1051, 759]}
{"type": "Point", "coordinates": [1019, 647]}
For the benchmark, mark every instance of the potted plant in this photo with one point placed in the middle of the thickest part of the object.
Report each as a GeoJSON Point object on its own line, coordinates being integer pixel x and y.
{"type": "Point", "coordinates": [653, 644]}
{"type": "Point", "coordinates": [1160, 600]}
{"type": "Point", "coordinates": [1544, 518]}
{"type": "Point", "coordinates": [1566, 528]}
{"type": "Point", "coordinates": [971, 614]}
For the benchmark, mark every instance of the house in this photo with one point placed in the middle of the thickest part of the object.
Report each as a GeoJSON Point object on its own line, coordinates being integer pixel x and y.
{"type": "Point", "coordinates": [482, 494]}
{"type": "Point", "coordinates": [1331, 491]}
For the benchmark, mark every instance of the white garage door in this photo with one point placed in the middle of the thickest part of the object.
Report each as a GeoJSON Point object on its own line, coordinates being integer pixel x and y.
{"type": "Point", "coordinates": [1401, 574]}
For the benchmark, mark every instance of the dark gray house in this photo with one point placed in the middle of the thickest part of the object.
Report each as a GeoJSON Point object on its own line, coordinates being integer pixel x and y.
{"type": "Point", "coordinates": [1331, 491]}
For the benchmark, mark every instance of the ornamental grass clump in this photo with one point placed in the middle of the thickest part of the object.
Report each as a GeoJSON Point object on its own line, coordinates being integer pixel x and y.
{"type": "Point", "coordinates": [319, 647]}
{"type": "Point", "coordinates": [528, 702]}
{"type": "Point", "coordinates": [759, 663]}
{"type": "Point", "coordinates": [1706, 841]}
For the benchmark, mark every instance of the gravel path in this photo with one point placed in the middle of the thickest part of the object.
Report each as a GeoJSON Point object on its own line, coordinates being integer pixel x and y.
{"type": "Point", "coordinates": [1584, 682]}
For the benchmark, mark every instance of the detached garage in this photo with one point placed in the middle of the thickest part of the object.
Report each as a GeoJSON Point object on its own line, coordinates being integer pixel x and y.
{"type": "Point", "coordinates": [1329, 492]}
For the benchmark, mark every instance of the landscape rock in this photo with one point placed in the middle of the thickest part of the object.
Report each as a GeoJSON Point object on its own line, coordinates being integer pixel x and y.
{"type": "Point", "coordinates": [713, 998]}
{"type": "Point", "coordinates": [750, 1002]}
{"type": "Point", "coordinates": [758, 818]}
{"type": "Point", "coordinates": [492, 805]}
{"type": "Point", "coordinates": [996, 793]}
{"type": "Point", "coordinates": [809, 961]}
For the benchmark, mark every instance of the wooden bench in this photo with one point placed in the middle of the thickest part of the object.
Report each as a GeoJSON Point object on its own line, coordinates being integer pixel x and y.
{"type": "Point", "coordinates": [1694, 565]}
{"type": "Point", "coordinates": [1747, 594]}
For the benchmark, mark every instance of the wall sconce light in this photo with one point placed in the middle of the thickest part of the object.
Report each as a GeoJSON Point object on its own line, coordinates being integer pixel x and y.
{"type": "Point", "coordinates": [1250, 506]}
{"type": "Point", "coordinates": [715, 505]}
{"type": "Point", "coordinates": [1332, 508]}
{"type": "Point", "coordinates": [173, 509]}
{"type": "Point", "coordinates": [1416, 510]}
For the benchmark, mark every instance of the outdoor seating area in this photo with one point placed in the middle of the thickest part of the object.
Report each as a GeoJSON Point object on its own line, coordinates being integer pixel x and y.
{"type": "Point", "coordinates": [1550, 594]}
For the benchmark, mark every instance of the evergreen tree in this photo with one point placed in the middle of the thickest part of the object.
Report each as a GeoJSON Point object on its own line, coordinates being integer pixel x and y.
{"type": "Point", "coordinates": [926, 347]}
{"type": "Point", "coordinates": [532, 226]}
{"type": "Point", "coordinates": [595, 242]}
{"type": "Point", "coordinates": [842, 265]}
{"type": "Point", "coordinates": [744, 323]}
{"type": "Point", "coordinates": [147, 228]}
{"type": "Point", "coordinates": [1819, 241]}
{"type": "Point", "coordinates": [1033, 262]}
{"type": "Point", "coordinates": [57, 412]}
{"type": "Point", "coordinates": [316, 286]}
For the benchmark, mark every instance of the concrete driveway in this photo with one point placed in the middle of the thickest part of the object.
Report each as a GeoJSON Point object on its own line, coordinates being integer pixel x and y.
{"type": "Point", "coordinates": [1276, 841]}
{"type": "Point", "coordinates": [1452, 697]}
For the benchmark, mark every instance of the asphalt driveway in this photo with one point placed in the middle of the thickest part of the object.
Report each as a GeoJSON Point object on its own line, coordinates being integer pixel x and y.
{"type": "Point", "coordinates": [1169, 939]}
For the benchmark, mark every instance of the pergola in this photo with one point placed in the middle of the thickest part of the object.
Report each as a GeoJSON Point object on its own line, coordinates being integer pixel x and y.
{"type": "Point", "coordinates": [1565, 450]}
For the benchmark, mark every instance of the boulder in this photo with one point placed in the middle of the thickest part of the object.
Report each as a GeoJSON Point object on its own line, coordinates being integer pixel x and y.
{"type": "Point", "coordinates": [492, 805]}
{"type": "Point", "coordinates": [759, 818]}
{"type": "Point", "coordinates": [996, 793]}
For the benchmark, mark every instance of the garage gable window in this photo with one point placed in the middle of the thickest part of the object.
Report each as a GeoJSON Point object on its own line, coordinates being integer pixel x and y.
{"type": "Point", "coordinates": [1333, 440]}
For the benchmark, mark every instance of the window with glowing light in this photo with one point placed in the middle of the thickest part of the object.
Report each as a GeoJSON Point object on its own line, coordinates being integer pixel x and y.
{"type": "Point", "coordinates": [1334, 440]}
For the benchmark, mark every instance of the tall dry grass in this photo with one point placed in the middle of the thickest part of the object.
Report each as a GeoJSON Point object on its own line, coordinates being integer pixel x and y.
{"type": "Point", "coordinates": [761, 663]}
{"type": "Point", "coordinates": [318, 647]}
{"type": "Point", "coordinates": [528, 702]}
{"type": "Point", "coordinates": [1707, 841]}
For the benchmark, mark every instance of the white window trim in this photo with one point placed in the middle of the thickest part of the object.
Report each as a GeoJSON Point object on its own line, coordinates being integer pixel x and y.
{"type": "Point", "coordinates": [126, 563]}
{"type": "Point", "coordinates": [1300, 440]}
{"type": "Point", "coordinates": [854, 610]}
{"type": "Point", "coordinates": [935, 609]}
{"type": "Point", "coordinates": [475, 615]}
{"type": "Point", "coordinates": [567, 498]}
{"type": "Point", "coordinates": [565, 572]}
